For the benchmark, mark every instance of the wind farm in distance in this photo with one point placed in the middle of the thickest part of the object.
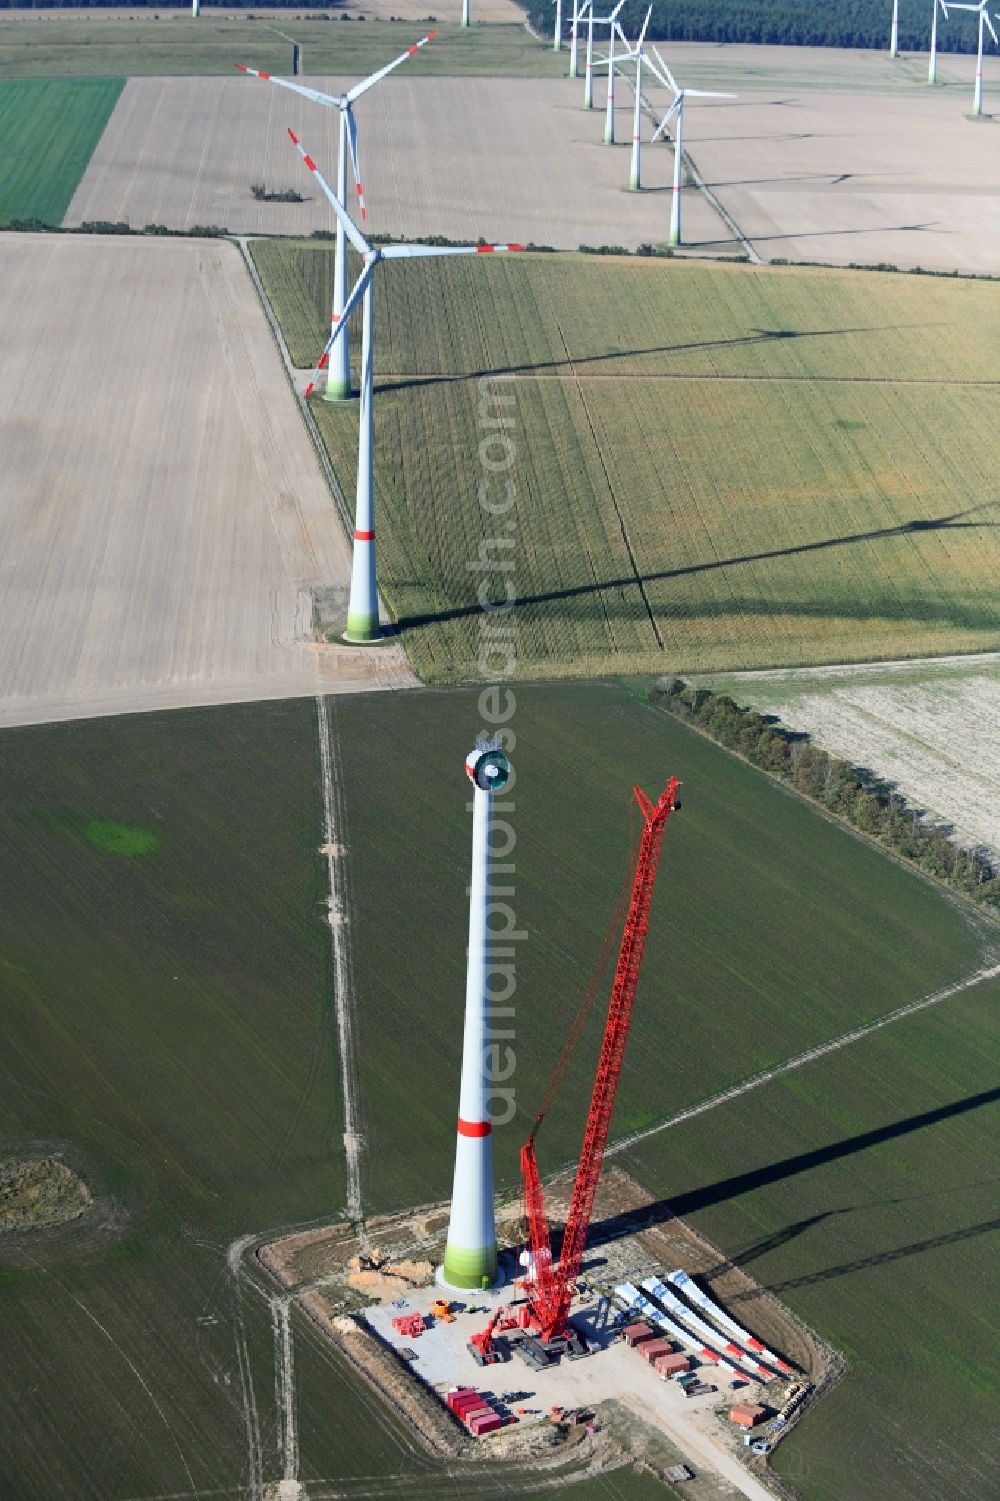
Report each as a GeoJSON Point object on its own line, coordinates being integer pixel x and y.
{"type": "Point", "coordinates": [499, 687]}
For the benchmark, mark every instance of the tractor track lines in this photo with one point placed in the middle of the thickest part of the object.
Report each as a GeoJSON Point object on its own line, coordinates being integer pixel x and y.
{"type": "Point", "coordinates": [977, 977]}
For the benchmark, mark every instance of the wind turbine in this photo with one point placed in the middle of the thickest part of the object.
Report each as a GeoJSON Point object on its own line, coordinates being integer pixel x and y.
{"type": "Point", "coordinates": [465, 13]}
{"type": "Point", "coordinates": [677, 108]}
{"type": "Point", "coordinates": [932, 65]}
{"type": "Point", "coordinates": [984, 17]}
{"type": "Point", "coordinates": [362, 610]}
{"type": "Point", "coordinates": [637, 56]}
{"type": "Point", "coordinates": [579, 11]}
{"type": "Point", "coordinates": [338, 384]}
{"type": "Point", "coordinates": [894, 32]}
{"type": "Point", "coordinates": [592, 21]}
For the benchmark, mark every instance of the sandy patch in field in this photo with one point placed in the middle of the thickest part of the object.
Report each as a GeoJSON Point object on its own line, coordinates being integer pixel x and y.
{"type": "Point", "coordinates": [932, 728]}
{"type": "Point", "coordinates": [511, 159]}
{"type": "Point", "coordinates": [162, 514]}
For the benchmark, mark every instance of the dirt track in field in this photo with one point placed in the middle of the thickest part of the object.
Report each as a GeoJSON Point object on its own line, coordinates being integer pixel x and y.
{"type": "Point", "coordinates": [163, 517]}
{"type": "Point", "coordinates": [507, 159]}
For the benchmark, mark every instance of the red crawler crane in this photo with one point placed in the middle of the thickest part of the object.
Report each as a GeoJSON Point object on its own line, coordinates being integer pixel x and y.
{"type": "Point", "coordinates": [549, 1286]}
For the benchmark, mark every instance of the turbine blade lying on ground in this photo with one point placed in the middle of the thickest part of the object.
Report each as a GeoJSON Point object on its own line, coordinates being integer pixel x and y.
{"type": "Point", "coordinates": [412, 252]}
{"type": "Point", "coordinates": [357, 292]}
{"type": "Point", "coordinates": [333, 100]}
{"type": "Point", "coordinates": [366, 83]}
{"type": "Point", "coordinates": [351, 230]}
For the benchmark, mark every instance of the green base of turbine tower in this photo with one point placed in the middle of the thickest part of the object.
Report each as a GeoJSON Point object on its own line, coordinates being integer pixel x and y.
{"type": "Point", "coordinates": [363, 630]}
{"type": "Point", "coordinates": [338, 390]}
{"type": "Point", "coordinates": [470, 1268]}
{"type": "Point", "coordinates": [634, 184]}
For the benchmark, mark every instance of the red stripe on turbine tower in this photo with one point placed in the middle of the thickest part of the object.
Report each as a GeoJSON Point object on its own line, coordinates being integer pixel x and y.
{"type": "Point", "coordinates": [474, 1128]}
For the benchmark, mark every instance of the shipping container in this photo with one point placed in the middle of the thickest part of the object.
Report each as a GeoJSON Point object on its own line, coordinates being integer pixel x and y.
{"type": "Point", "coordinates": [634, 1334]}
{"type": "Point", "coordinates": [653, 1349]}
{"type": "Point", "coordinates": [489, 1422]}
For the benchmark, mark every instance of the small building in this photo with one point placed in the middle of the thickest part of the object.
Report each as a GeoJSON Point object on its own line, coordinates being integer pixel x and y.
{"type": "Point", "coordinates": [655, 1349]}
{"type": "Point", "coordinates": [678, 1473]}
{"type": "Point", "coordinates": [746, 1414]}
{"type": "Point", "coordinates": [634, 1334]}
{"type": "Point", "coordinates": [671, 1365]}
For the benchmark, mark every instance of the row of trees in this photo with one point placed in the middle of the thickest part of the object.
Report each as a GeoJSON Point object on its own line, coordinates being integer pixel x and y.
{"type": "Point", "coordinates": [872, 806]}
{"type": "Point", "coordinates": [795, 23]}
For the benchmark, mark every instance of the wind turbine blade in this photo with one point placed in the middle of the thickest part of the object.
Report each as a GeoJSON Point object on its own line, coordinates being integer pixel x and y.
{"type": "Point", "coordinates": [645, 24]}
{"type": "Point", "coordinates": [351, 230]}
{"type": "Point", "coordinates": [670, 77]}
{"type": "Point", "coordinates": [357, 292]}
{"type": "Point", "coordinates": [352, 142]}
{"type": "Point", "coordinates": [614, 14]}
{"type": "Point", "coordinates": [416, 252]}
{"type": "Point", "coordinates": [331, 100]}
{"type": "Point", "coordinates": [986, 18]}
{"type": "Point", "coordinates": [704, 94]}
{"type": "Point", "coordinates": [666, 119]}
{"type": "Point", "coordinates": [366, 83]}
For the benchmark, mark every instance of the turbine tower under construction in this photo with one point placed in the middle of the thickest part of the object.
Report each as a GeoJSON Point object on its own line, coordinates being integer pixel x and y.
{"type": "Point", "coordinates": [470, 1258]}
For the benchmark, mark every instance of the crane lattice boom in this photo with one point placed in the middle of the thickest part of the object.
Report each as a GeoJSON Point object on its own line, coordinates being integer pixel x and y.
{"type": "Point", "coordinates": [549, 1287]}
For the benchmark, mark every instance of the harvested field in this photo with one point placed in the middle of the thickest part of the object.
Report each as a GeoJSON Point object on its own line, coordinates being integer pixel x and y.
{"type": "Point", "coordinates": [177, 46]}
{"type": "Point", "coordinates": [932, 728]}
{"type": "Point", "coordinates": [48, 129]}
{"type": "Point", "coordinates": [870, 179]}
{"type": "Point", "coordinates": [165, 517]}
{"type": "Point", "coordinates": [524, 162]}
{"type": "Point", "coordinates": [750, 467]}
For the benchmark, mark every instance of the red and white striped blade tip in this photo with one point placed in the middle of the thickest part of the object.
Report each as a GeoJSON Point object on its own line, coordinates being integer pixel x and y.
{"type": "Point", "coordinates": [310, 388]}
{"type": "Point", "coordinates": [292, 136]}
{"type": "Point", "coordinates": [486, 249]}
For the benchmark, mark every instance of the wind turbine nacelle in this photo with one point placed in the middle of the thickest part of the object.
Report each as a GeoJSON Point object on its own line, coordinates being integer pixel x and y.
{"type": "Point", "coordinates": [487, 767]}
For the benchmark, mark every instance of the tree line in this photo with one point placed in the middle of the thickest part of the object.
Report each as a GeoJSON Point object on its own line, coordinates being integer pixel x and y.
{"type": "Point", "coordinates": [788, 23]}
{"type": "Point", "coordinates": [867, 803]}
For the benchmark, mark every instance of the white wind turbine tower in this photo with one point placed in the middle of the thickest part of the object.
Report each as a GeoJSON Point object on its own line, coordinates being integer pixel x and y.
{"type": "Point", "coordinates": [677, 108]}
{"type": "Point", "coordinates": [362, 610]}
{"type": "Point", "coordinates": [932, 65]}
{"type": "Point", "coordinates": [894, 30]}
{"type": "Point", "coordinates": [579, 11]}
{"type": "Point", "coordinates": [465, 13]}
{"type": "Point", "coordinates": [557, 33]}
{"type": "Point", "coordinates": [637, 56]}
{"type": "Point", "coordinates": [592, 21]}
{"type": "Point", "coordinates": [984, 19]}
{"type": "Point", "coordinates": [338, 384]}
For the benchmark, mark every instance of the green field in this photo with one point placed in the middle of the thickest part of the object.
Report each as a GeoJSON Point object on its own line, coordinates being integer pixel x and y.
{"type": "Point", "coordinates": [177, 46]}
{"type": "Point", "coordinates": [166, 1021]}
{"type": "Point", "coordinates": [772, 930]}
{"type": "Point", "coordinates": [48, 130]}
{"type": "Point", "coordinates": [714, 467]}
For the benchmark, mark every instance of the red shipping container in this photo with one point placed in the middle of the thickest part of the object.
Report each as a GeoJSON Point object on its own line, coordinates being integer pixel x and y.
{"type": "Point", "coordinates": [652, 1349]}
{"type": "Point", "coordinates": [488, 1423]}
{"type": "Point", "coordinates": [468, 1413]}
{"type": "Point", "coordinates": [671, 1365]}
{"type": "Point", "coordinates": [460, 1394]}
{"type": "Point", "coordinates": [463, 1399]}
{"type": "Point", "coordinates": [634, 1334]}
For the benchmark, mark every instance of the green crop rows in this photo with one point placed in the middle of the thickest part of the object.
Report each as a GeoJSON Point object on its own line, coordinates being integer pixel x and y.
{"type": "Point", "coordinates": [178, 46]}
{"type": "Point", "coordinates": [48, 130]}
{"type": "Point", "coordinates": [744, 467]}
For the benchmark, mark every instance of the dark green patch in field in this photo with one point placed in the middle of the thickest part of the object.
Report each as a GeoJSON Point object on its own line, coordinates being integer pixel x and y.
{"type": "Point", "coordinates": [48, 131]}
